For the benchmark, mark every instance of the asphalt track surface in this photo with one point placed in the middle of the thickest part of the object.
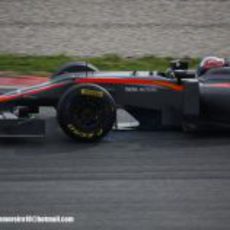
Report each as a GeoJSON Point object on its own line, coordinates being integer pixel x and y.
{"type": "Point", "coordinates": [131, 180]}
{"type": "Point", "coordinates": [125, 27]}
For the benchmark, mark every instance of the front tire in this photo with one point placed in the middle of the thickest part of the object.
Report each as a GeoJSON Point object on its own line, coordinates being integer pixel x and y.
{"type": "Point", "coordinates": [86, 112]}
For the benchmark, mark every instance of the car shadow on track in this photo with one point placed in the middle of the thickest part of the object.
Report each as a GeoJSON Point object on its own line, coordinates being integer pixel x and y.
{"type": "Point", "coordinates": [56, 142]}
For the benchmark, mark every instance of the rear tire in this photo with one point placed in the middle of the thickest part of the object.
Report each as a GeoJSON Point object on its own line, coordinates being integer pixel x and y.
{"type": "Point", "coordinates": [86, 112]}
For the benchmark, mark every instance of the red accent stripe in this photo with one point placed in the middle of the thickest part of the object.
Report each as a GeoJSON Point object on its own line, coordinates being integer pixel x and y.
{"type": "Point", "coordinates": [116, 81]}
{"type": "Point", "coordinates": [7, 98]}
{"type": "Point", "coordinates": [131, 81]}
{"type": "Point", "coordinates": [219, 85]}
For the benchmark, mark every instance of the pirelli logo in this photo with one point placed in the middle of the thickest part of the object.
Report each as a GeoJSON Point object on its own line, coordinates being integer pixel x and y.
{"type": "Point", "coordinates": [92, 93]}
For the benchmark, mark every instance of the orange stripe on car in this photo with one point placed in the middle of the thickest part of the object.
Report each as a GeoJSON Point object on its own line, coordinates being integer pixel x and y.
{"type": "Point", "coordinates": [17, 95]}
{"type": "Point", "coordinates": [219, 85]}
{"type": "Point", "coordinates": [131, 81]}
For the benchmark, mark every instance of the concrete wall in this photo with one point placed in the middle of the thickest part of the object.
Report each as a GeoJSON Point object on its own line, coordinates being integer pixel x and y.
{"type": "Point", "coordinates": [126, 27]}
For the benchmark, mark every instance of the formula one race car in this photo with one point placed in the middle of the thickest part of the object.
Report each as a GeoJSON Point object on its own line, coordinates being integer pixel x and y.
{"type": "Point", "coordinates": [86, 100]}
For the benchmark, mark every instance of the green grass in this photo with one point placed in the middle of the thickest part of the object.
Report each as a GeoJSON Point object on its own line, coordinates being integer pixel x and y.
{"type": "Point", "coordinates": [25, 64]}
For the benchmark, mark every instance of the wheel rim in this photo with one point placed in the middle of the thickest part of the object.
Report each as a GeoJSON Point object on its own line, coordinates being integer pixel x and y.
{"type": "Point", "coordinates": [88, 114]}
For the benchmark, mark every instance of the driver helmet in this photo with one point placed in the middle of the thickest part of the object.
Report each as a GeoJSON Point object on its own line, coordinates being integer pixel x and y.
{"type": "Point", "coordinates": [209, 63]}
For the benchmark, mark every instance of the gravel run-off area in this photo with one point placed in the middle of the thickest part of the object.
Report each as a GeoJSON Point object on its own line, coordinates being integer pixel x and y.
{"type": "Point", "coordinates": [127, 28]}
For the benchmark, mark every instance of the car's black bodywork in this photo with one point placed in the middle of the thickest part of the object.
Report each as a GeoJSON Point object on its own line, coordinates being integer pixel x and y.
{"type": "Point", "coordinates": [176, 99]}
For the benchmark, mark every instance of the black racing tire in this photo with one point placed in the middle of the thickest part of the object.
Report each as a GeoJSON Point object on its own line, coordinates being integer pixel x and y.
{"type": "Point", "coordinates": [74, 67]}
{"type": "Point", "coordinates": [86, 112]}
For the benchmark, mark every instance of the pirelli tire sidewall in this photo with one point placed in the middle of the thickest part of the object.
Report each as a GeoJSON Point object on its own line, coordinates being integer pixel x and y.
{"type": "Point", "coordinates": [73, 99]}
